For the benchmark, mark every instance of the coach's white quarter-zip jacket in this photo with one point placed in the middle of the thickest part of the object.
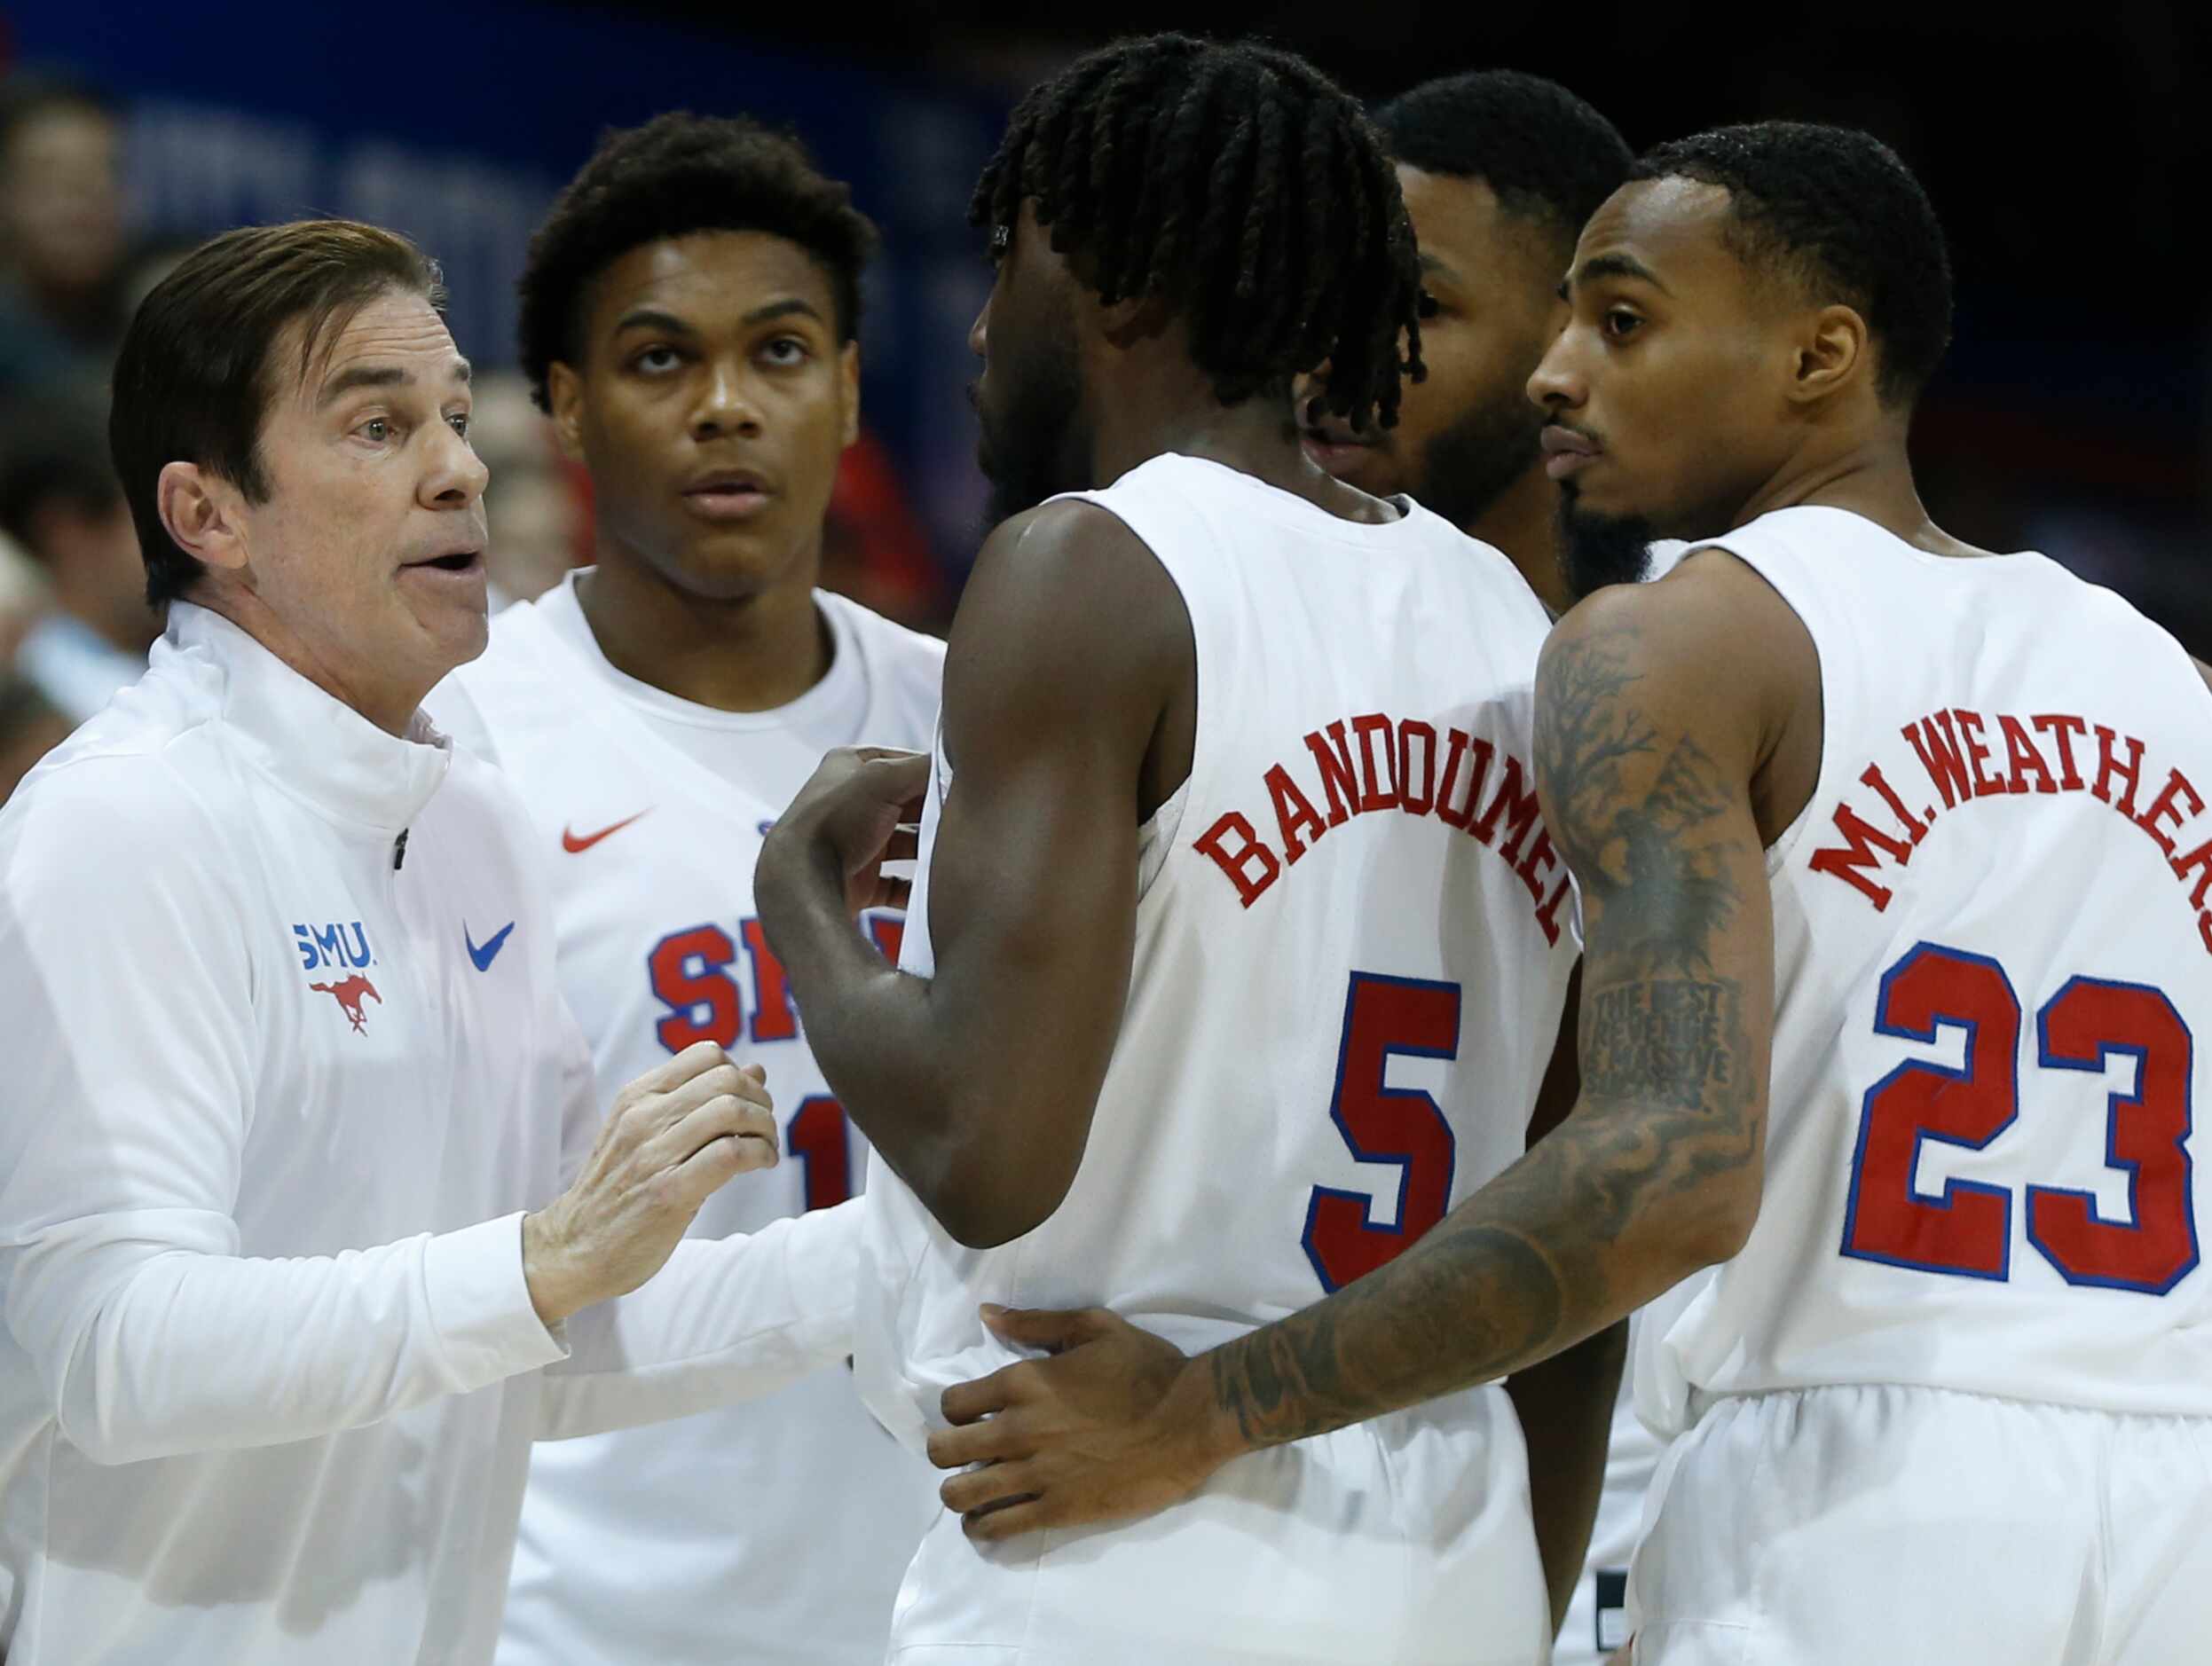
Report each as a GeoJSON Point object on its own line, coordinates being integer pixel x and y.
{"type": "Point", "coordinates": [282, 1061]}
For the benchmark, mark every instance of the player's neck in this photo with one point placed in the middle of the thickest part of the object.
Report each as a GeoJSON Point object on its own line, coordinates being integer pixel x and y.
{"type": "Point", "coordinates": [751, 654]}
{"type": "Point", "coordinates": [1872, 479]}
{"type": "Point", "coordinates": [1251, 437]}
{"type": "Point", "coordinates": [1524, 522]}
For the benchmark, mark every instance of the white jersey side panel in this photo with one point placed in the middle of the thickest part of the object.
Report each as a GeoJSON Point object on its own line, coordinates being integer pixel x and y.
{"type": "Point", "coordinates": [1351, 961]}
{"type": "Point", "coordinates": [666, 1542]}
{"type": "Point", "coordinates": [1994, 988]}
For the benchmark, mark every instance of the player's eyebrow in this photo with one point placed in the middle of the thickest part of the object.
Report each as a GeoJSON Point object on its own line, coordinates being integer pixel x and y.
{"type": "Point", "coordinates": [790, 306]}
{"type": "Point", "coordinates": [652, 319]}
{"type": "Point", "coordinates": [1612, 266]}
{"type": "Point", "coordinates": [1429, 263]}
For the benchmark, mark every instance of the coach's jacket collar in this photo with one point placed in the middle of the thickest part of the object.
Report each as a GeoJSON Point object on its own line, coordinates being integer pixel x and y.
{"type": "Point", "coordinates": [313, 747]}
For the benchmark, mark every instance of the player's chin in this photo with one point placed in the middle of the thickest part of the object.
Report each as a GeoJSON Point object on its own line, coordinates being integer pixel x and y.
{"type": "Point", "coordinates": [730, 564]}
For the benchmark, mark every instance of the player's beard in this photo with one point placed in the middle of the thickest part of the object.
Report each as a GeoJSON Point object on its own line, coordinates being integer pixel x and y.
{"type": "Point", "coordinates": [1471, 464]}
{"type": "Point", "coordinates": [1036, 449]}
{"type": "Point", "coordinates": [1597, 550]}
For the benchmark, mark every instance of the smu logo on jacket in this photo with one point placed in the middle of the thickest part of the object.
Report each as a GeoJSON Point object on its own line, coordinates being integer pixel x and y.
{"type": "Point", "coordinates": [342, 948]}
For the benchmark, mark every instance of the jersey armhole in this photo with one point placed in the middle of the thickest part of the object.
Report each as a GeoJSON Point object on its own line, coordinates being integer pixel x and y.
{"type": "Point", "coordinates": [1184, 789]}
{"type": "Point", "coordinates": [1777, 852]}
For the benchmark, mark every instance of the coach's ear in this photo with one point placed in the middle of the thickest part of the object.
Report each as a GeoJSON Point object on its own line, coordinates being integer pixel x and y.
{"type": "Point", "coordinates": [203, 513]}
{"type": "Point", "coordinates": [564, 399]}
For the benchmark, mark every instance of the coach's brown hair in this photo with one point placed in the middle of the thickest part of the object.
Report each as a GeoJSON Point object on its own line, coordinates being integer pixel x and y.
{"type": "Point", "coordinates": [196, 373]}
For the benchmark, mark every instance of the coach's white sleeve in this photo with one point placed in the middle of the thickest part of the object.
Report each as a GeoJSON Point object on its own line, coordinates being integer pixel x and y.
{"type": "Point", "coordinates": [128, 993]}
{"type": "Point", "coordinates": [727, 1320]}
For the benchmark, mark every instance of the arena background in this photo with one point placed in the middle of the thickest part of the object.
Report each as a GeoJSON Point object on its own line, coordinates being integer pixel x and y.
{"type": "Point", "coordinates": [2066, 151]}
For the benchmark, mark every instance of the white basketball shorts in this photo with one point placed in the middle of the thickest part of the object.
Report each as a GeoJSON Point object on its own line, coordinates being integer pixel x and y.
{"type": "Point", "coordinates": [1852, 1525]}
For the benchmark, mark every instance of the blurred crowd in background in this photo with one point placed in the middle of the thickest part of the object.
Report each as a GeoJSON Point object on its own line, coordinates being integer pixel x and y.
{"type": "Point", "coordinates": [2065, 158]}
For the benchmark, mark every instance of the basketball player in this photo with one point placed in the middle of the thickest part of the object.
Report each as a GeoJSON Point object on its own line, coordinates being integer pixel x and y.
{"type": "Point", "coordinates": [1922, 823]}
{"type": "Point", "coordinates": [1178, 1029]}
{"type": "Point", "coordinates": [689, 317]}
{"type": "Point", "coordinates": [1500, 171]}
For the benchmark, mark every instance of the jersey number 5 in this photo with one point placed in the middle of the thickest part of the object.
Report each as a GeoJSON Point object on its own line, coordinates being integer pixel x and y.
{"type": "Point", "coordinates": [1966, 1230]}
{"type": "Point", "coordinates": [1384, 1017]}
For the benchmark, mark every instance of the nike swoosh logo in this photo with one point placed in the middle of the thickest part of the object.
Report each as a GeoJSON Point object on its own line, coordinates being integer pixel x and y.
{"type": "Point", "coordinates": [573, 844]}
{"type": "Point", "coordinates": [489, 952]}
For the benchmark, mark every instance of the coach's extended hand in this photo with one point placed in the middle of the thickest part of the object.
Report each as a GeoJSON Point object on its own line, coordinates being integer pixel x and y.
{"type": "Point", "coordinates": [676, 1135]}
{"type": "Point", "coordinates": [1114, 1423]}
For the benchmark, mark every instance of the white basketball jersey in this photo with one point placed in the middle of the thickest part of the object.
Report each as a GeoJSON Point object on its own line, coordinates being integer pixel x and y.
{"type": "Point", "coordinates": [786, 1523]}
{"type": "Point", "coordinates": [1350, 948]}
{"type": "Point", "coordinates": [1993, 969]}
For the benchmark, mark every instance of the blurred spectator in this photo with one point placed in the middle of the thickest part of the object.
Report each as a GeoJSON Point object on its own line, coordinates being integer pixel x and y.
{"type": "Point", "coordinates": [873, 545]}
{"type": "Point", "coordinates": [22, 598]}
{"type": "Point", "coordinates": [540, 520]}
{"type": "Point", "coordinates": [62, 236]}
{"type": "Point", "coordinates": [30, 726]}
{"type": "Point", "coordinates": [62, 504]}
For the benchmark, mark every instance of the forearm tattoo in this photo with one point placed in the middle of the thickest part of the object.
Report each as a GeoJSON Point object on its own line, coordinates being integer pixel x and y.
{"type": "Point", "coordinates": [1670, 1098]}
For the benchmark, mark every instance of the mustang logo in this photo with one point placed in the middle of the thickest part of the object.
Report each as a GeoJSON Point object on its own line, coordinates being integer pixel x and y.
{"type": "Point", "coordinates": [348, 995]}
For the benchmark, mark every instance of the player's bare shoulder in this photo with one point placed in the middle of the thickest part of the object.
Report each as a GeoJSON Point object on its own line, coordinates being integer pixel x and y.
{"type": "Point", "coordinates": [1710, 656]}
{"type": "Point", "coordinates": [1069, 548]}
{"type": "Point", "coordinates": [1702, 637]}
{"type": "Point", "coordinates": [1070, 581]}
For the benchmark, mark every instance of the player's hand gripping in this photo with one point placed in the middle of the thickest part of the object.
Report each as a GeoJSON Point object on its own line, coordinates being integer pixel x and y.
{"type": "Point", "coordinates": [857, 812]}
{"type": "Point", "coordinates": [675, 1135]}
{"type": "Point", "coordinates": [1114, 1423]}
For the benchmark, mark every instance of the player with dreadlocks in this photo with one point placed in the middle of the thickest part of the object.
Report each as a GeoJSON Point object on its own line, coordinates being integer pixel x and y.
{"type": "Point", "coordinates": [1231, 807]}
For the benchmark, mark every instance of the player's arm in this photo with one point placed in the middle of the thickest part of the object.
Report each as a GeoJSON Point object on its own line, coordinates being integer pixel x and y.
{"type": "Point", "coordinates": [1656, 706]}
{"type": "Point", "coordinates": [977, 1083]}
{"type": "Point", "coordinates": [1565, 1403]}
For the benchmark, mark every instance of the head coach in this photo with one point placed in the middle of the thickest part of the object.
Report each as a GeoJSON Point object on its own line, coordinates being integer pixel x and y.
{"type": "Point", "coordinates": [286, 1066]}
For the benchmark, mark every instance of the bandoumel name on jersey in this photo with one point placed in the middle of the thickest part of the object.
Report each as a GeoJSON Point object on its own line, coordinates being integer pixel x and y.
{"type": "Point", "coordinates": [1398, 770]}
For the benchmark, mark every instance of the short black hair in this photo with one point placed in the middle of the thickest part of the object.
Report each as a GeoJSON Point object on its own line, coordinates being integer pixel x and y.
{"type": "Point", "coordinates": [1242, 186]}
{"type": "Point", "coordinates": [54, 452]}
{"type": "Point", "coordinates": [1837, 212]}
{"type": "Point", "coordinates": [197, 371]}
{"type": "Point", "coordinates": [680, 174]}
{"type": "Point", "coordinates": [1550, 157]}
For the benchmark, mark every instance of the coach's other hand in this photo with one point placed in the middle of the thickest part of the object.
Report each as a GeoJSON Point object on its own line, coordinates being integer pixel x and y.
{"type": "Point", "coordinates": [1115, 1423]}
{"type": "Point", "coordinates": [675, 1135]}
